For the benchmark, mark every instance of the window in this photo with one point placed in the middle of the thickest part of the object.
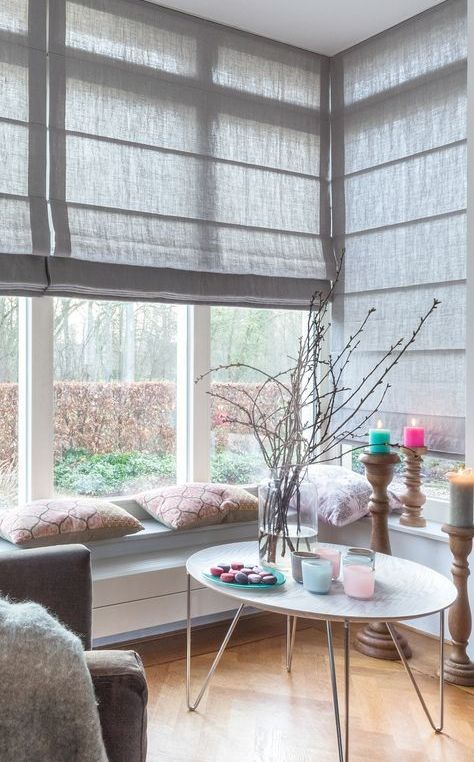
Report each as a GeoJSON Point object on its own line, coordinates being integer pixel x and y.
{"type": "Point", "coordinates": [8, 400]}
{"type": "Point", "coordinates": [265, 339]}
{"type": "Point", "coordinates": [435, 484]}
{"type": "Point", "coordinates": [115, 396]}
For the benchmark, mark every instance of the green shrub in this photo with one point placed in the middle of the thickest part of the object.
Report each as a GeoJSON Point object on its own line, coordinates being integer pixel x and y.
{"type": "Point", "coordinates": [82, 473]}
{"type": "Point", "coordinates": [235, 468]}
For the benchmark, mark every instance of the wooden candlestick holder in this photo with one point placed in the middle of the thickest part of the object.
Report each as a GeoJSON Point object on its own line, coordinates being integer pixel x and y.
{"type": "Point", "coordinates": [375, 639]}
{"type": "Point", "coordinates": [413, 499]}
{"type": "Point", "coordinates": [458, 668]}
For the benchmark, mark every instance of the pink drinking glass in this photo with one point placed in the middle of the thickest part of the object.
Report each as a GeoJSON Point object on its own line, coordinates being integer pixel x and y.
{"type": "Point", "coordinates": [359, 581]}
{"type": "Point", "coordinates": [334, 556]}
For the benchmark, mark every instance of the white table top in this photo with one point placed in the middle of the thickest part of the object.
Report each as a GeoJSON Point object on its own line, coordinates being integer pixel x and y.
{"type": "Point", "coordinates": [403, 589]}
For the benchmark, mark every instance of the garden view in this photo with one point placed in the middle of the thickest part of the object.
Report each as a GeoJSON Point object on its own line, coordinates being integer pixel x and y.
{"type": "Point", "coordinates": [115, 372]}
{"type": "Point", "coordinates": [115, 393]}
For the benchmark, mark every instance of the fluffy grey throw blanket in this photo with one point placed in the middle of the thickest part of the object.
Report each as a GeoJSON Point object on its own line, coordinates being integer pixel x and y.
{"type": "Point", "coordinates": [48, 711]}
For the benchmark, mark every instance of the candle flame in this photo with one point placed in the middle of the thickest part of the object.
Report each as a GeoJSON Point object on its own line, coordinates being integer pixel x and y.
{"type": "Point", "coordinates": [413, 421]}
{"type": "Point", "coordinates": [379, 424]}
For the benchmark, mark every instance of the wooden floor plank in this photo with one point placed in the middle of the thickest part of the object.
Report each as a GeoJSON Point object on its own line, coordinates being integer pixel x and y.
{"type": "Point", "coordinates": [255, 711]}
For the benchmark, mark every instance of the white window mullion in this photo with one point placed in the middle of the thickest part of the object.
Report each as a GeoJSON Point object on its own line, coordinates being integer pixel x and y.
{"type": "Point", "coordinates": [193, 417]}
{"type": "Point", "coordinates": [201, 417]}
{"type": "Point", "coordinates": [182, 395]}
{"type": "Point", "coordinates": [36, 399]}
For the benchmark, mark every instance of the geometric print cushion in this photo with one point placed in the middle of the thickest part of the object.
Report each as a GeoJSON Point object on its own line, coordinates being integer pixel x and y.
{"type": "Point", "coordinates": [343, 495]}
{"type": "Point", "coordinates": [183, 506]}
{"type": "Point", "coordinates": [64, 520]}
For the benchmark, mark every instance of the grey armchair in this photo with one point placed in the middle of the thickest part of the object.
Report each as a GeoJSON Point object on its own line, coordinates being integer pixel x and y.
{"type": "Point", "coordinates": [59, 578]}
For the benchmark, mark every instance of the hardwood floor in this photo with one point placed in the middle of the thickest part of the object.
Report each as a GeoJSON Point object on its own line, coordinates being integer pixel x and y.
{"type": "Point", "coordinates": [255, 712]}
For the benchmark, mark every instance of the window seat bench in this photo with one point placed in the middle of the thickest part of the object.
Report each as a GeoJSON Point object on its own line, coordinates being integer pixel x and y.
{"type": "Point", "coordinates": [139, 581]}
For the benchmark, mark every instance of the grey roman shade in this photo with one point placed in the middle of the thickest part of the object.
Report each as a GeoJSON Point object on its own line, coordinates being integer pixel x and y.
{"type": "Point", "coordinates": [189, 161]}
{"type": "Point", "coordinates": [399, 190]}
{"type": "Point", "coordinates": [24, 230]}
{"type": "Point", "coordinates": [148, 154]}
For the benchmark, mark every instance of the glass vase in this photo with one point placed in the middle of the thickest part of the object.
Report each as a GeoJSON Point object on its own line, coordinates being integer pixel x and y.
{"type": "Point", "coordinates": [287, 516]}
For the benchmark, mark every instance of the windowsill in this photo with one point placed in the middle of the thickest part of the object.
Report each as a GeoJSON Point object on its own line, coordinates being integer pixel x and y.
{"type": "Point", "coordinates": [432, 530]}
{"type": "Point", "coordinates": [435, 512]}
{"type": "Point", "coordinates": [156, 536]}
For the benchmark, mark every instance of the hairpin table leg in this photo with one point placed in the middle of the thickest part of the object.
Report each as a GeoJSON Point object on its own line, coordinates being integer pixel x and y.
{"type": "Point", "coordinates": [192, 706]}
{"type": "Point", "coordinates": [436, 728]}
{"type": "Point", "coordinates": [335, 699]}
{"type": "Point", "coordinates": [343, 748]}
{"type": "Point", "coordinates": [290, 640]}
{"type": "Point", "coordinates": [347, 645]}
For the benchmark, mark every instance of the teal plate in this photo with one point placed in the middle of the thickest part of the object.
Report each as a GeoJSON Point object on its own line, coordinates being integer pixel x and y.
{"type": "Point", "coordinates": [281, 579]}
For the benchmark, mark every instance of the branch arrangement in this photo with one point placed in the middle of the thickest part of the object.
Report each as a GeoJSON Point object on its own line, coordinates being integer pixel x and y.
{"type": "Point", "coordinates": [313, 410]}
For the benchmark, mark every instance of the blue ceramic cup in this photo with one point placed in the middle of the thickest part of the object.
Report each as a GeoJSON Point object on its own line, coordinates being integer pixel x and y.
{"type": "Point", "coordinates": [317, 575]}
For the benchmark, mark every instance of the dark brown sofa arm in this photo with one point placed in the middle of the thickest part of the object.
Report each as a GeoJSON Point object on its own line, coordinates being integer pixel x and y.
{"type": "Point", "coordinates": [122, 694]}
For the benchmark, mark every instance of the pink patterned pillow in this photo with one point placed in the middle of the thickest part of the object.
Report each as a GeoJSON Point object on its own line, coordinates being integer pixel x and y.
{"type": "Point", "coordinates": [197, 503]}
{"type": "Point", "coordinates": [54, 522]}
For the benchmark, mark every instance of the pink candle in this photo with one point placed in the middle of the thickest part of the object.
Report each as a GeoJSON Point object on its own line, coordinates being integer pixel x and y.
{"type": "Point", "coordinates": [334, 556]}
{"type": "Point", "coordinates": [413, 436]}
{"type": "Point", "coordinates": [359, 581]}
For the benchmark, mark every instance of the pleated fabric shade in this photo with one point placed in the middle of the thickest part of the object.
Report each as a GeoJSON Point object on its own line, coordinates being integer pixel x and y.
{"type": "Point", "coordinates": [148, 154]}
{"type": "Point", "coordinates": [186, 161]}
{"type": "Point", "coordinates": [399, 189]}
{"type": "Point", "coordinates": [24, 229]}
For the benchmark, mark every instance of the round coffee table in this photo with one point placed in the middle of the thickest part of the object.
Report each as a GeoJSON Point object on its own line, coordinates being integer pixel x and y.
{"type": "Point", "coordinates": [403, 590]}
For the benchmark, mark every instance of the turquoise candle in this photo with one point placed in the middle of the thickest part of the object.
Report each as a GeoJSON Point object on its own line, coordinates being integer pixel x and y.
{"type": "Point", "coordinates": [379, 440]}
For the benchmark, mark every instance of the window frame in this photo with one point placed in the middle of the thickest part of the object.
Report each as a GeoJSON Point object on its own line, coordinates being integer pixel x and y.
{"type": "Point", "coordinates": [36, 396]}
{"type": "Point", "coordinates": [35, 399]}
{"type": "Point", "coordinates": [193, 434]}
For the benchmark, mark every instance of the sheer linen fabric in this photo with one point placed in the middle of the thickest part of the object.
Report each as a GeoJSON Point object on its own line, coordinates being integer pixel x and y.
{"type": "Point", "coordinates": [175, 159]}
{"type": "Point", "coordinates": [182, 160]}
{"type": "Point", "coordinates": [399, 188]}
{"type": "Point", "coordinates": [24, 228]}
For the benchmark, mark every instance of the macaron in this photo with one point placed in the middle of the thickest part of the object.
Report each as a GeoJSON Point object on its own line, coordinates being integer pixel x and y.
{"type": "Point", "coordinates": [255, 579]}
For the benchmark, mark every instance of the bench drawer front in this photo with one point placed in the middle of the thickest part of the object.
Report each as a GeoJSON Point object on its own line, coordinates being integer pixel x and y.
{"type": "Point", "coordinates": [133, 616]}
